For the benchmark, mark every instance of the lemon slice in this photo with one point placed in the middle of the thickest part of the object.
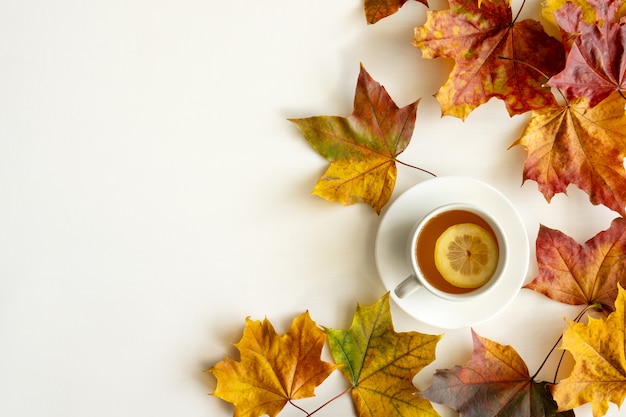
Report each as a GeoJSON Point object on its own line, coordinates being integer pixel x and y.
{"type": "Point", "coordinates": [466, 255]}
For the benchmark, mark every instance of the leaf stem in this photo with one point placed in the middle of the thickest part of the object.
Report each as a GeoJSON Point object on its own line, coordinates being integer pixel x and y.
{"type": "Point", "coordinates": [576, 319]}
{"type": "Point", "coordinates": [415, 167]}
{"type": "Point", "coordinates": [506, 58]}
{"type": "Point", "coordinates": [330, 401]}
{"type": "Point", "coordinates": [298, 407]}
{"type": "Point", "coordinates": [543, 74]}
{"type": "Point", "coordinates": [321, 406]}
{"type": "Point", "coordinates": [518, 12]}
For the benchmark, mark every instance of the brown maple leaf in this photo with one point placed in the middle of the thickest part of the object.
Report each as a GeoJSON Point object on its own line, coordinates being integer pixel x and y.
{"type": "Point", "coordinates": [274, 369]}
{"type": "Point", "coordinates": [478, 38]}
{"type": "Point", "coordinates": [596, 64]}
{"type": "Point", "coordinates": [363, 147]}
{"type": "Point", "coordinates": [577, 145]}
{"type": "Point", "coordinates": [380, 364]}
{"type": "Point", "coordinates": [494, 383]}
{"type": "Point", "coordinates": [379, 9]}
{"type": "Point", "coordinates": [599, 373]}
{"type": "Point", "coordinates": [581, 274]}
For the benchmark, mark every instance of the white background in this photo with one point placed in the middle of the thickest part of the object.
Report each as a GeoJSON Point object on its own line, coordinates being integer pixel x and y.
{"type": "Point", "coordinates": [153, 195]}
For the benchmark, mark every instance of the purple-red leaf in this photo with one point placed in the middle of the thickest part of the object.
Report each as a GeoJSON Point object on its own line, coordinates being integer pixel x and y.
{"type": "Point", "coordinates": [494, 382]}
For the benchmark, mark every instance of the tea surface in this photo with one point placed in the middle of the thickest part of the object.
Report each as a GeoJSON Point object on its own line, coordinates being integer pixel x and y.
{"type": "Point", "coordinates": [425, 246]}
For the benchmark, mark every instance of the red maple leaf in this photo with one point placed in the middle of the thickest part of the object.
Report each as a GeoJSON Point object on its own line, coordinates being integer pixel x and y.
{"type": "Point", "coordinates": [495, 56]}
{"type": "Point", "coordinates": [581, 274]}
{"type": "Point", "coordinates": [596, 64]}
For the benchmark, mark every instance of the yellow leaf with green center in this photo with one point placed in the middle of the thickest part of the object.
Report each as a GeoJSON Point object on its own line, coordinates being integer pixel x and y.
{"type": "Point", "coordinates": [380, 364]}
{"type": "Point", "coordinates": [361, 148]}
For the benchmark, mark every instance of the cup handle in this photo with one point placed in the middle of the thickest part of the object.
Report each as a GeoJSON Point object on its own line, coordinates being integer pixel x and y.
{"type": "Point", "coordinates": [407, 287]}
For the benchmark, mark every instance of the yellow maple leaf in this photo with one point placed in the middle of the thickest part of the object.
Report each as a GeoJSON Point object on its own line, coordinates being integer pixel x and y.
{"type": "Point", "coordinates": [577, 145]}
{"type": "Point", "coordinates": [274, 369]}
{"type": "Point", "coordinates": [599, 375]}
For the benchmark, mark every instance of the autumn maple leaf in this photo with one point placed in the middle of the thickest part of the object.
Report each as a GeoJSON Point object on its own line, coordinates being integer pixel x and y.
{"type": "Point", "coordinates": [596, 64]}
{"type": "Point", "coordinates": [576, 145]}
{"type": "Point", "coordinates": [478, 37]}
{"type": "Point", "coordinates": [494, 382]}
{"type": "Point", "coordinates": [380, 364]}
{"type": "Point", "coordinates": [581, 11]}
{"type": "Point", "coordinates": [273, 369]}
{"type": "Point", "coordinates": [378, 9]}
{"type": "Point", "coordinates": [362, 148]}
{"type": "Point", "coordinates": [599, 351]}
{"type": "Point", "coordinates": [581, 274]}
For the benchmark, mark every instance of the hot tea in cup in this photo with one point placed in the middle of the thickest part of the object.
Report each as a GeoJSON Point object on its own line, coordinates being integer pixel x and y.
{"type": "Point", "coordinates": [457, 251]}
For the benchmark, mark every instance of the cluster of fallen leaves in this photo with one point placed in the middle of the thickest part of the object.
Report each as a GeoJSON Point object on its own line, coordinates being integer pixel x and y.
{"type": "Point", "coordinates": [379, 363]}
{"type": "Point", "coordinates": [576, 134]}
{"type": "Point", "coordinates": [572, 87]}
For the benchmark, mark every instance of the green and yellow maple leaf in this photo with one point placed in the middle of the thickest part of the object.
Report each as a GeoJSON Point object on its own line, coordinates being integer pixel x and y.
{"type": "Point", "coordinates": [494, 56]}
{"type": "Point", "coordinates": [380, 364]}
{"type": "Point", "coordinates": [363, 147]}
{"type": "Point", "coordinates": [599, 351]}
{"type": "Point", "coordinates": [494, 383]}
{"type": "Point", "coordinates": [274, 369]}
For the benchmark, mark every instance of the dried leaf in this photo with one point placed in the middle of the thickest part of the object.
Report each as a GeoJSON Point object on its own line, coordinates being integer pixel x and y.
{"type": "Point", "coordinates": [599, 374]}
{"type": "Point", "coordinates": [380, 363]}
{"type": "Point", "coordinates": [596, 64]}
{"type": "Point", "coordinates": [581, 146]}
{"type": "Point", "coordinates": [379, 9]}
{"type": "Point", "coordinates": [588, 13]}
{"type": "Point", "coordinates": [494, 382]}
{"type": "Point", "coordinates": [273, 369]}
{"type": "Point", "coordinates": [478, 38]}
{"type": "Point", "coordinates": [581, 274]}
{"type": "Point", "coordinates": [362, 148]}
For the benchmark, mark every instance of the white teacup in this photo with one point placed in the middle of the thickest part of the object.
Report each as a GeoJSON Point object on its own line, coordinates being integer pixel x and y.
{"type": "Point", "coordinates": [435, 223]}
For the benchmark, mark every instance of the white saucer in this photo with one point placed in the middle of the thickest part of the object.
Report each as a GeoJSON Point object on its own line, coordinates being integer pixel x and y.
{"type": "Point", "coordinates": [393, 265]}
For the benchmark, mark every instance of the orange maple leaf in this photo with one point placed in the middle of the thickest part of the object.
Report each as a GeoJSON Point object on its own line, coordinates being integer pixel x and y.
{"type": "Point", "coordinates": [581, 274]}
{"type": "Point", "coordinates": [362, 148]}
{"type": "Point", "coordinates": [478, 37]}
{"type": "Point", "coordinates": [273, 369]}
{"type": "Point", "coordinates": [380, 363]}
{"type": "Point", "coordinates": [577, 145]}
{"type": "Point", "coordinates": [599, 374]}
